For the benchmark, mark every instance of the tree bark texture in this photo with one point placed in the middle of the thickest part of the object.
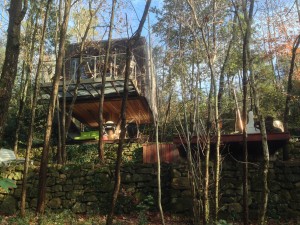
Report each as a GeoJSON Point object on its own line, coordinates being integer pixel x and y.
{"type": "Point", "coordinates": [290, 85]}
{"type": "Point", "coordinates": [265, 172]}
{"type": "Point", "coordinates": [33, 112]}
{"type": "Point", "coordinates": [58, 70]}
{"type": "Point", "coordinates": [245, 60]}
{"type": "Point", "coordinates": [17, 12]}
{"type": "Point", "coordinates": [30, 39]}
{"type": "Point", "coordinates": [129, 53]}
{"type": "Point", "coordinates": [121, 140]}
{"type": "Point", "coordinates": [101, 103]}
{"type": "Point", "coordinates": [82, 45]}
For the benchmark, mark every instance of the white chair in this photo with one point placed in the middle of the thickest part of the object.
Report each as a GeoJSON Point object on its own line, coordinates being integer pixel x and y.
{"type": "Point", "coordinates": [8, 156]}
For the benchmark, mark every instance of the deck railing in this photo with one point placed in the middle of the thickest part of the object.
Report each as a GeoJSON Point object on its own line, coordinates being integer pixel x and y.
{"type": "Point", "coordinates": [92, 67]}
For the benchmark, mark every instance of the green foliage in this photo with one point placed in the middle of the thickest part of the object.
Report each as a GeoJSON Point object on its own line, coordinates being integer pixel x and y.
{"type": "Point", "coordinates": [61, 218]}
{"type": "Point", "coordinates": [82, 153]}
{"type": "Point", "coordinates": [223, 222]}
{"type": "Point", "coordinates": [88, 153]}
{"type": "Point", "coordinates": [10, 127]}
{"type": "Point", "coordinates": [146, 204]}
{"type": "Point", "coordinates": [143, 207]}
{"type": "Point", "coordinates": [6, 183]}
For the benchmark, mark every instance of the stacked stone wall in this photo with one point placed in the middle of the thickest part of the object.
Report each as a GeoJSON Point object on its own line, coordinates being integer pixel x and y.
{"type": "Point", "coordinates": [87, 188]}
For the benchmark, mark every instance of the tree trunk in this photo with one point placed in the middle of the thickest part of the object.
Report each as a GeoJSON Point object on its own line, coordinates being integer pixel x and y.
{"type": "Point", "coordinates": [158, 175]}
{"type": "Point", "coordinates": [59, 154]}
{"type": "Point", "coordinates": [246, 39]}
{"type": "Point", "coordinates": [58, 70]}
{"type": "Point", "coordinates": [101, 103]}
{"type": "Point", "coordinates": [33, 112]}
{"type": "Point", "coordinates": [82, 44]}
{"type": "Point", "coordinates": [19, 118]}
{"type": "Point", "coordinates": [27, 65]}
{"type": "Point", "coordinates": [10, 65]}
{"type": "Point", "coordinates": [265, 171]}
{"type": "Point", "coordinates": [131, 43]}
{"type": "Point", "coordinates": [194, 161]}
{"type": "Point", "coordinates": [156, 123]}
{"type": "Point", "coordinates": [122, 137]}
{"type": "Point", "coordinates": [289, 93]}
{"type": "Point", "coordinates": [63, 119]}
{"type": "Point", "coordinates": [290, 85]}
{"type": "Point", "coordinates": [206, 205]}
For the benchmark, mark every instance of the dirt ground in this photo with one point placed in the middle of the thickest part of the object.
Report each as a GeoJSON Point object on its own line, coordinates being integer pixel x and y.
{"type": "Point", "coordinates": [148, 218]}
{"type": "Point", "coordinates": [154, 219]}
{"type": "Point", "coordinates": [171, 219]}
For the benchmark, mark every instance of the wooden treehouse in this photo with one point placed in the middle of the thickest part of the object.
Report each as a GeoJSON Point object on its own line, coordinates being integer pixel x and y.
{"type": "Point", "coordinates": [141, 104]}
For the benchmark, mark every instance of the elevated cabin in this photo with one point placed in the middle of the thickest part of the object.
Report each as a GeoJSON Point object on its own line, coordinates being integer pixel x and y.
{"type": "Point", "coordinates": [141, 105]}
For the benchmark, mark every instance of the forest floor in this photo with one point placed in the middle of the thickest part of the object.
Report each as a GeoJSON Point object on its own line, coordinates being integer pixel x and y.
{"type": "Point", "coordinates": [67, 218]}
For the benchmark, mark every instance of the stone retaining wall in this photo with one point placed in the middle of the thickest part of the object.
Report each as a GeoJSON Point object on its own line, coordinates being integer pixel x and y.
{"type": "Point", "coordinates": [284, 185]}
{"type": "Point", "coordinates": [87, 188]}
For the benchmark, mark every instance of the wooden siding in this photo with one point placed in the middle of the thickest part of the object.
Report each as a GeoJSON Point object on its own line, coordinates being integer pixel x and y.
{"type": "Point", "coordinates": [168, 153]}
{"type": "Point", "coordinates": [137, 110]}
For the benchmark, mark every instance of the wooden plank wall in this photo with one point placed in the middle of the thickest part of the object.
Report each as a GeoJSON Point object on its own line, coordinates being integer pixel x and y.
{"type": "Point", "coordinates": [168, 153]}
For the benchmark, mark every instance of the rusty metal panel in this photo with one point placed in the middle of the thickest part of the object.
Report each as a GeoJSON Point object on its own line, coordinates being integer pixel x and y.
{"type": "Point", "coordinates": [168, 153]}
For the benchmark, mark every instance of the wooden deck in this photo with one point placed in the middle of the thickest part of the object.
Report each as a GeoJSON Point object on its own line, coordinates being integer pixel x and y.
{"type": "Point", "coordinates": [232, 144]}
{"type": "Point", "coordinates": [86, 107]}
{"type": "Point", "coordinates": [238, 138]}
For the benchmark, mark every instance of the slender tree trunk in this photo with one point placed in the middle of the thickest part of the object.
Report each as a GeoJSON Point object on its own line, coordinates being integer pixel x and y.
{"type": "Point", "coordinates": [265, 172]}
{"type": "Point", "coordinates": [265, 163]}
{"type": "Point", "coordinates": [82, 44]}
{"type": "Point", "coordinates": [58, 70]}
{"type": "Point", "coordinates": [245, 156]}
{"type": "Point", "coordinates": [246, 39]}
{"type": "Point", "coordinates": [63, 119]}
{"type": "Point", "coordinates": [59, 154]}
{"type": "Point", "coordinates": [212, 99]}
{"type": "Point", "coordinates": [101, 103]}
{"type": "Point", "coordinates": [156, 117]}
{"type": "Point", "coordinates": [17, 12]}
{"type": "Point", "coordinates": [298, 11]}
{"type": "Point", "coordinates": [289, 94]}
{"type": "Point", "coordinates": [59, 144]}
{"type": "Point", "coordinates": [206, 205]}
{"type": "Point", "coordinates": [158, 175]}
{"type": "Point", "coordinates": [19, 119]}
{"type": "Point", "coordinates": [194, 165]}
{"type": "Point", "coordinates": [30, 36]}
{"type": "Point", "coordinates": [121, 141]}
{"type": "Point", "coordinates": [33, 112]}
{"type": "Point", "coordinates": [131, 43]}
{"type": "Point", "coordinates": [290, 85]}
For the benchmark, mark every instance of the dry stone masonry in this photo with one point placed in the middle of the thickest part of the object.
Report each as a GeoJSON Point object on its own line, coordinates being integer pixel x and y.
{"type": "Point", "coordinates": [87, 188]}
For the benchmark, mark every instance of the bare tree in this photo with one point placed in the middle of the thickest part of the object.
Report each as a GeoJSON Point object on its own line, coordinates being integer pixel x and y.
{"type": "Point", "coordinates": [209, 36]}
{"type": "Point", "coordinates": [102, 93]}
{"type": "Point", "coordinates": [67, 123]}
{"type": "Point", "coordinates": [248, 15]}
{"type": "Point", "coordinates": [290, 84]}
{"type": "Point", "coordinates": [130, 45]}
{"type": "Point", "coordinates": [156, 123]}
{"type": "Point", "coordinates": [52, 103]}
{"type": "Point", "coordinates": [33, 110]}
{"type": "Point", "coordinates": [30, 39]}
